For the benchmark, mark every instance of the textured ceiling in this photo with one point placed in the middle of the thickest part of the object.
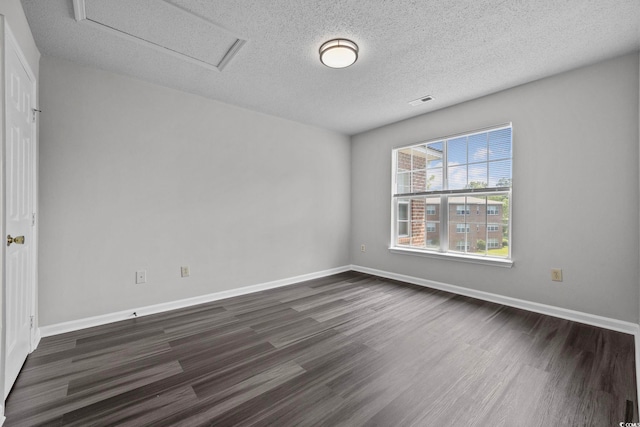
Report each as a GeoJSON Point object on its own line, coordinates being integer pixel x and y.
{"type": "Point", "coordinates": [455, 50]}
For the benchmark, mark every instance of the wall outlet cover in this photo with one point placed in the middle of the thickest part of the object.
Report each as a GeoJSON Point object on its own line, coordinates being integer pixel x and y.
{"type": "Point", "coordinates": [556, 274]}
{"type": "Point", "coordinates": [184, 271]}
{"type": "Point", "coordinates": [141, 276]}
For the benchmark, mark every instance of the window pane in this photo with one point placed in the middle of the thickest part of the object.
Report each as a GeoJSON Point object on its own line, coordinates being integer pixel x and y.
{"type": "Point", "coordinates": [457, 177]}
{"type": "Point", "coordinates": [457, 151]}
{"type": "Point", "coordinates": [404, 159]}
{"type": "Point", "coordinates": [500, 144]}
{"type": "Point", "coordinates": [417, 223]}
{"type": "Point", "coordinates": [434, 154]}
{"type": "Point", "coordinates": [458, 212]}
{"type": "Point", "coordinates": [434, 179]}
{"type": "Point", "coordinates": [403, 234]}
{"type": "Point", "coordinates": [403, 220]}
{"type": "Point", "coordinates": [432, 210]}
{"type": "Point", "coordinates": [403, 211]}
{"type": "Point", "coordinates": [477, 225]}
{"type": "Point", "coordinates": [418, 180]}
{"type": "Point", "coordinates": [498, 227]}
{"type": "Point", "coordinates": [478, 148]}
{"type": "Point", "coordinates": [419, 157]}
{"type": "Point", "coordinates": [417, 210]}
{"type": "Point", "coordinates": [500, 173]}
{"type": "Point", "coordinates": [403, 228]}
{"type": "Point", "coordinates": [478, 175]}
{"type": "Point", "coordinates": [403, 184]}
{"type": "Point", "coordinates": [417, 234]}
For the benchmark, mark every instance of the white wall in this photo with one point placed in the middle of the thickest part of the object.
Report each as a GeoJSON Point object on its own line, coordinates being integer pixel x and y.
{"type": "Point", "coordinates": [136, 176]}
{"type": "Point", "coordinates": [575, 184]}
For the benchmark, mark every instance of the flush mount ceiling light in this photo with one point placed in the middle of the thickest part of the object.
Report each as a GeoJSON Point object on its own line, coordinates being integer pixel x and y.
{"type": "Point", "coordinates": [338, 53]}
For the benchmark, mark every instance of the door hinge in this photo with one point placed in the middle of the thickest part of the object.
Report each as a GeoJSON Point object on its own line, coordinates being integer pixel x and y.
{"type": "Point", "coordinates": [33, 219]}
{"type": "Point", "coordinates": [32, 321]}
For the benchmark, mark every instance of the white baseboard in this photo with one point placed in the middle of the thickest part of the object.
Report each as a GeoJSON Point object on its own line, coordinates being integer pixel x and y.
{"type": "Point", "coordinates": [37, 336]}
{"type": "Point", "coordinates": [563, 313]}
{"type": "Point", "coordinates": [74, 325]}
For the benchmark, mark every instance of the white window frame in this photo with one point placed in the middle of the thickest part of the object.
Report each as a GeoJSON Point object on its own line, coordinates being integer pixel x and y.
{"type": "Point", "coordinates": [493, 210]}
{"type": "Point", "coordinates": [493, 227]}
{"type": "Point", "coordinates": [445, 251]}
{"type": "Point", "coordinates": [431, 227]}
{"type": "Point", "coordinates": [429, 211]}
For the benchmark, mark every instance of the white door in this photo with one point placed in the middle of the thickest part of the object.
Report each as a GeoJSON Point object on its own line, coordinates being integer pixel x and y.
{"type": "Point", "coordinates": [20, 190]}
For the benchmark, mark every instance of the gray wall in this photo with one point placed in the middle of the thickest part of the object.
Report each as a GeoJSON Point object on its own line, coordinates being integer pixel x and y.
{"type": "Point", "coordinates": [575, 190]}
{"type": "Point", "coordinates": [136, 176]}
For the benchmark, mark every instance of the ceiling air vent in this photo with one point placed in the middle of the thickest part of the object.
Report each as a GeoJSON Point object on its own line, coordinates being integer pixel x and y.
{"type": "Point", "coordinates": [421, 101]}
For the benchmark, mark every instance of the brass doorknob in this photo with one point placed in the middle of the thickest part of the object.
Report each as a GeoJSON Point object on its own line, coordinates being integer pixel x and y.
{"type": "Point", "coordinates": [18, 240]}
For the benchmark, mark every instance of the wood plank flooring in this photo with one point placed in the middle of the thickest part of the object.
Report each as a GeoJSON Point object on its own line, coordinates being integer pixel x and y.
{"type": "Point", "coordinates": [350, 349]}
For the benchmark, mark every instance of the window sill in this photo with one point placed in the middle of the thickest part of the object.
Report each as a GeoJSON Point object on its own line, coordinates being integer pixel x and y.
{"type": "Point", "coordinates": [496, 262]}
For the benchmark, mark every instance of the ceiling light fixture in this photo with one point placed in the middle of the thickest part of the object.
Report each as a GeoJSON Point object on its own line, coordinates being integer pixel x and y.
{"type": "Point", "coordinates": [338, 53]}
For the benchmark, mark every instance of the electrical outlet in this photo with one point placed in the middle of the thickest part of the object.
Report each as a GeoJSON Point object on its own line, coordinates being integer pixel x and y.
{"type": "Point", "coordinates": [141, 276]}
{"type": "Point", "coordinates": [363, 248]}
{"type": "Point", "coordinates": [556, 274]}
{"type": "Point", "coordinates": [184, 271]}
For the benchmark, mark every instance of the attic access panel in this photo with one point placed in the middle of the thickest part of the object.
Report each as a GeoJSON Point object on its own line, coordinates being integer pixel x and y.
{"type": "Point", "coordinates": [162, 26]}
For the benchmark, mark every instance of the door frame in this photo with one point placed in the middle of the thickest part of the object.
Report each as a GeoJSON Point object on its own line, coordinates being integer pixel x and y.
{"type": "Point", "coordinates": [9, 41]}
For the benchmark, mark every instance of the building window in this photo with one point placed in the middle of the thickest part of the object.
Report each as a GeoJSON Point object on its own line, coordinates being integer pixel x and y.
{"type": "Point", "coordinates": [403, 219]}
{"type": "Point", "coordinates": [458, 182]}
{"type": "Point", "coordinates": [462, 210]}
{"type": "Point", "coordinates": [463, 246]}
{"type": "Point", "coordinates": [462, 228]}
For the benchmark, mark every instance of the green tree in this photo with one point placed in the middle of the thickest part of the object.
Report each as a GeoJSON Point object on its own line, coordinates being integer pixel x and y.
{"type": "Point", "coordinates": [476, 184]}
{"type": "Point", "coordinates": [504, 182]}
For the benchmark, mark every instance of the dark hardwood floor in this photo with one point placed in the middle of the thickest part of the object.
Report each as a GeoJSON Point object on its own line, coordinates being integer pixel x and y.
{"type": "Point", "coordinates": [350, 349]}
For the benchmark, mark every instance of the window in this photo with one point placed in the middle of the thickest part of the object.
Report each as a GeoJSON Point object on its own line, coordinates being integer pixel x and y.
{"type": "Point", "coordinates": [462, 228]}
{"type": "Point", "coordinates": [462, 210]}
{"type": "Point", "coordinates": [493, 244]}
{"type": "Point", "coordinates": [458, 182]}
{"type": "Point", "coordinates": [462, 246]}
